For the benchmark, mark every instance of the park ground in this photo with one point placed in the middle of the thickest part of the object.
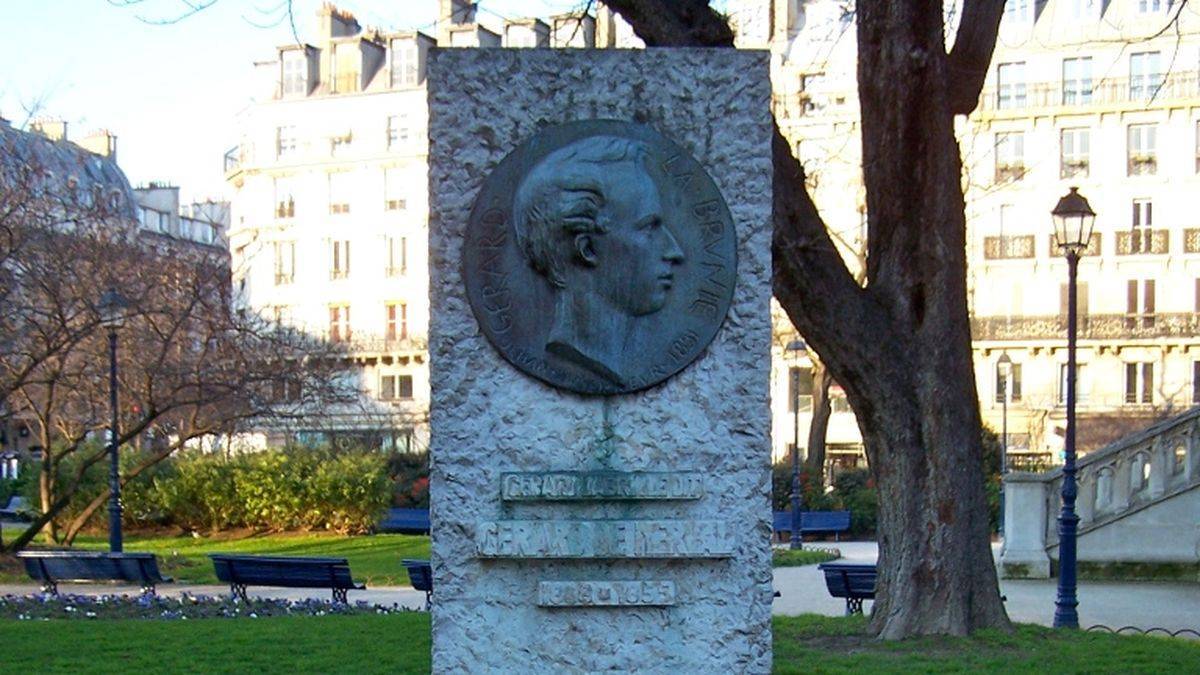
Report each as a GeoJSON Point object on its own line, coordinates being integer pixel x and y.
{"type": "Point", "coordinates": [804, 640]}
{"type": "Point", "coordinates": [399, 643]}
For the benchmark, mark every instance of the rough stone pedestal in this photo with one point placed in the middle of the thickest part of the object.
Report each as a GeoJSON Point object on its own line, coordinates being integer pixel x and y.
{"type": "Point", "coordinates": [695, 594]}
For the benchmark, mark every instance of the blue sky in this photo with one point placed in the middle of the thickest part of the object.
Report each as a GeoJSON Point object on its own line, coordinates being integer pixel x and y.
{"type": "Point", "coordinates": [170, 92]}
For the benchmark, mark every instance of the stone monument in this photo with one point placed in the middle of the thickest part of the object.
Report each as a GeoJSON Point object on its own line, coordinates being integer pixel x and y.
{"type": "Point", "coordinates": [600, 356]}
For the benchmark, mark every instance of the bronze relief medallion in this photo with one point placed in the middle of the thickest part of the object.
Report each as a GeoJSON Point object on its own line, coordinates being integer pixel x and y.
{"type": "Point", "coordinates": [600, 257]}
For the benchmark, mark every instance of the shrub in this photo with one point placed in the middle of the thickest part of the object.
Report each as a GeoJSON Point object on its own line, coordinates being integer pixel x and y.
{"type": "Point", "coordinates": [410, 474]}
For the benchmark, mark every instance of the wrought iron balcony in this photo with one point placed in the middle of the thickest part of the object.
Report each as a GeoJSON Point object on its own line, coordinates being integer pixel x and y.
{"type": "Point", "coordinates": [1091, 327]}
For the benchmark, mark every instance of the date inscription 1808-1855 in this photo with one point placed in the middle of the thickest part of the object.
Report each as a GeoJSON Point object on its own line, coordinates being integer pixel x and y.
{"type": "Point", "coordinates": [600, 257]}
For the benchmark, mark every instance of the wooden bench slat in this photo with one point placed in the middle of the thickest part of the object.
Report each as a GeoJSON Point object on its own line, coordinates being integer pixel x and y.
{"type": "Point", "coordinates": [240, 571]}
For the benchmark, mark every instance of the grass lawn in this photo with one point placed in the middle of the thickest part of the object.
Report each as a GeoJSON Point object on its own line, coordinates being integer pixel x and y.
{"type": "Point", "coordinates": [400, 644]}
{"type": "Point", "coordinates": [786, 557]}
{"type": "Point", "coordinates": [374, 559]}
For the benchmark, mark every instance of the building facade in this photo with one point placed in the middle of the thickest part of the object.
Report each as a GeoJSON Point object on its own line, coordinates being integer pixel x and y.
{"type": "Point", "coordinates": [329, 214]}
{"type": "Point", "coordinates": [1080, 93]}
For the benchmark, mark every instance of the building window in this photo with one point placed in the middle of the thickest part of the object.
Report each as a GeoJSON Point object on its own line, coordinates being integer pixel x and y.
{"type": "Point", "coordinates": [285, 262]}
{"type": "Point", "coordinates": [1010, 90]}
{"type": "Point", "coordinates": [1081, 304]}
{"type": "Point", "coordinates": [395, 387]}
{"type": "Point", "coordinates": [294, 73]}
{"type": "Point", "coordinates": [1081, 383]}
{"type": "Point", "coordinates": [1016, 11]}
{"type": "Point", "coordinates": [281, 315]}
{"type": "Point", "coordinates": [1139, 382]}
{"type": "Point", "coordinates": [346, 60]}
{"type": "Point", "coordinates": [1139, 303]}
{"type": "Point", "coordinates": [340, 187]}
{"type": "Point", "coordinates": [393, 190]}
{"type": "Point", "coordinates": [1151, 6]}
{"type": "Point", "coordinates": [339, 323]}
{"type": "Point", "coordinates": [1145, 78]}
{"type": "Point", "coordinates": [405, 63]}
{"type": "Point", "coordinates": [1143, 220]}
{"type": "Point", "coordinates": [1010, 156]}
{"type": "Point", "coordinates": [1077, 81]}
{"type": "Point", "coordinates": [340, 145]}
{"type": "Point", "coordinates": [1142, 154]}
{"type": "Point", "coordinates": [339, 260]}
{"type": "Point", "coordinates": [800, 383]}
{"type": "Point", "coordinates": [397, 256]}
{"type": "Point", "coordinates": [1084, 9]}
{"type": "Point", "coordinates": [285, 390]}
{"type": "Point", "coordinates": [1075, 153]}
{"type": "Point", "coordinates": [285, 142]}
{"type": "Point", "coordinates": [397, 321]}
{"type": "Point", "coordinates": [1012, 388]}
{"type": "Point", "coordinates": [285, 197]}
{"type": "Point", "coordinates": [397, 131]}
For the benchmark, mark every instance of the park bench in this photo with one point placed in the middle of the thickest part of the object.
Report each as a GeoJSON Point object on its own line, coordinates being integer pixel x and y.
{"type": "Point", "coordinates": [420, 575]}
{"type": "Point", "coordinates": [240, 571]}
{"type": "Point", "coordinates": [54, 567]}
{"type": "Point", "coordinates": [853, 581]}
{"type": "Point", "coordinates": [407, 521]}
{"type": "Point", "coordinates": [17, 509]}
{"type": "Point", "coordinates": [814, 522]}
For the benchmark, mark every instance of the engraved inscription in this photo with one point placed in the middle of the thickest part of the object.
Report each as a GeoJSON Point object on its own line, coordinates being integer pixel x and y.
{"type": "Point", "coordinates": [603, 539]}
{"type": "Point", "coordinates": [589, 485]}
{"type": "Point", "coordinates": [650, 593]}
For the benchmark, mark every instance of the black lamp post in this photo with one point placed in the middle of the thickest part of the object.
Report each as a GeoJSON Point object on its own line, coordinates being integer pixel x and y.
{"type": "Point", "coordinates": [1005, 366]}
{"type": "Point", "coordinates": [1073, 223]}
{"type": "Point", "coordinates": [796, 347]}
{"type": "Point", "coordinates": [112, 309]}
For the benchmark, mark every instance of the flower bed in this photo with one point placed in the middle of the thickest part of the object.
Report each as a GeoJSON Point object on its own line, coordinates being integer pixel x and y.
{"type": "Point", "coordinates": [43, 607]}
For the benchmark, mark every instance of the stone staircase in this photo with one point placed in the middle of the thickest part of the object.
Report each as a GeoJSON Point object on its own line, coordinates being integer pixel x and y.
{"type": "Point", "coordinates": [1138, 504]}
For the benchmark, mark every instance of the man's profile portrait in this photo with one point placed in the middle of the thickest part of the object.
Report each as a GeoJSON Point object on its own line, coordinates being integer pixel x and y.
{"type": "Point", "coordinates": [589, 219]}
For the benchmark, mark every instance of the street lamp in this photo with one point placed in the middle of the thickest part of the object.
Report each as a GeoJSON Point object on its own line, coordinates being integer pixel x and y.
{"type": "Point", "coordinates": [1005, 367]}
{"type": "Point", "coordinates": [112, 310]}
{"type": "Point", "coordinates": [796, 347]}
{"type": "Point", "coordinates": [1073, 223]}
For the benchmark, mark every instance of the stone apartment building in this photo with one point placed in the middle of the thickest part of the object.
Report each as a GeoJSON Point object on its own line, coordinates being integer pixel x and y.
{"type": "Point", "coordinates": [1080, 93]}
{"type": "Point", "coordinates": [329, 229]}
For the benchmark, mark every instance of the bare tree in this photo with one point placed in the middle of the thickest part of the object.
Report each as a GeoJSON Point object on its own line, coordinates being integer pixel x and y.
{"type": "Point", "coordinates": [190, 365]}
{"type": "Point", "coordinates": [900, 345]}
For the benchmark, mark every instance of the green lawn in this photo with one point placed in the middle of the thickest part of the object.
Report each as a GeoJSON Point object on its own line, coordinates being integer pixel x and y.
{"type": "Point", "coordinates": [400, 644]}
{"type": "Point", "coordinates": [373, 559]}
{"type": "Point", "coordinates": [785, 557]}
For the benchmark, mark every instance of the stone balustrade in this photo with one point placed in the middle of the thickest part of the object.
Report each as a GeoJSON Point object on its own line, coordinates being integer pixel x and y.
{"type": "Point", "coordinates": [1115, 483]}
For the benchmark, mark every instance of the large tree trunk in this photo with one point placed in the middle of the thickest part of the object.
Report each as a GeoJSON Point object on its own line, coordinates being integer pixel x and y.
{"type": "Point", "coordinates": [818, 429]}
{"type": "Point", "coordinates": [901, 346]}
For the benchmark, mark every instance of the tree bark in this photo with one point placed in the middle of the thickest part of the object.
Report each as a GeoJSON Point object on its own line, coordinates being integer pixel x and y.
{"type": "Point", "coordinates": [818, 429]}
{"type": "Point", "coordinates": [901, 345]}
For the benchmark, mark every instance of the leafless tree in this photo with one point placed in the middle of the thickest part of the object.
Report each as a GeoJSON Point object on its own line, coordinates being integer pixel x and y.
{"type": "Point", "coordinates": [190, 365]}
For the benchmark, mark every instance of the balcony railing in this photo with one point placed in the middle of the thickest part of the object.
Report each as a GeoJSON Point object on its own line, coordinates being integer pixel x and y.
{"type": "Point", "coordinates": [368, 343]}
{"type": "Point", "coordinates": [1142, 241]}
{"type": "Point", "coordinates": [1176, 86]}
{"type": "Point", "coordinates": [1091, 326]}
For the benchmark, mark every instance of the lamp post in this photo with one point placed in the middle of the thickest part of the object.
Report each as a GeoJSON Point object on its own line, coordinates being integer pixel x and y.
{"type": "Point", "coordinates": [1005, 366]}
{"type": "Point", "coordinates": [112, 316]}
{"type": "Point", "coordinates": [796, 347]}
{"type": "Point", "coordinates": [1073, 223]}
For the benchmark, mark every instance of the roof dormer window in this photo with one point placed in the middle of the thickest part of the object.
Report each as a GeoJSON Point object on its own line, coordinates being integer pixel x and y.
{"type": "Point", "coordinates": [294, 72]}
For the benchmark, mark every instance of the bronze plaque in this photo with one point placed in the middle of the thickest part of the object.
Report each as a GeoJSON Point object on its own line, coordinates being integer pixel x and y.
{"type": "Point", "coordinates": [600, 257]}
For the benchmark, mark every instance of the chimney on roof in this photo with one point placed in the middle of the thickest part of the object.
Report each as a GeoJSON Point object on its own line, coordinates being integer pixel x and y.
{"type": "Point", "coordinates": [101, 141]}
{"type": "Point", "coordinates": [50, 127]}
{"type": "Point", "coordinates": [335, 23]}
{"type": "Point", "coordinates": [453, 13]}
